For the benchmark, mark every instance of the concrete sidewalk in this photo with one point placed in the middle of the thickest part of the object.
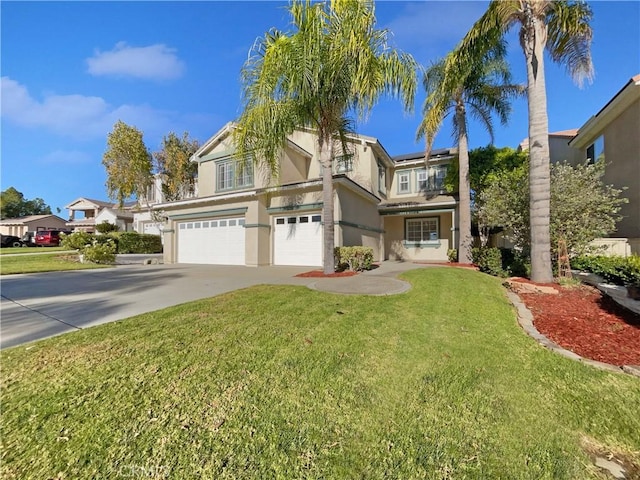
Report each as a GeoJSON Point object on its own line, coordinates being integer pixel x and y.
{"type": "Point", "coordinates": [379, 281]}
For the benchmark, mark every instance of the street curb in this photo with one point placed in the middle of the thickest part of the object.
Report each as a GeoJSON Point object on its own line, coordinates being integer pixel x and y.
{"type": "Point", "coordinates": [525, 320]}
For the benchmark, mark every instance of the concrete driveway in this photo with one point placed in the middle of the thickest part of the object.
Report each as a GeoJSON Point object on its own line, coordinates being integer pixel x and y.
{"type": "Point", "coordinates": [41, 305]}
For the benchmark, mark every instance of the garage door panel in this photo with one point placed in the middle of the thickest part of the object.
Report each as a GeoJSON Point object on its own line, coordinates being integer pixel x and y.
{"type": "Point", "coordinates": [298, 240]}
{"type": "Point", "coordinates": [216, 242]}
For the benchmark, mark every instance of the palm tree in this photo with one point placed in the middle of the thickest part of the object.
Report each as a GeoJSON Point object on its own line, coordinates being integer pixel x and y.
{"type": "Point", "coordinates": [480, 88]}
{"type": "Point", "coordinates": [334, 65]}
{"type": "Point", "coordinates": [562, 29]}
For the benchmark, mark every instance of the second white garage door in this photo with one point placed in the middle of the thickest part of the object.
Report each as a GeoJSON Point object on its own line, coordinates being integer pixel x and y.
{"type": "Point", "coordinates": [216, 242]}
{"type": "Point", "coordinates": [297, 240]}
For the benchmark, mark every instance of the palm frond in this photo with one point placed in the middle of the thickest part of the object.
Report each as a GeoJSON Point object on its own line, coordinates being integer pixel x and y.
{"type": "Point", "coordinates": [569, 38]}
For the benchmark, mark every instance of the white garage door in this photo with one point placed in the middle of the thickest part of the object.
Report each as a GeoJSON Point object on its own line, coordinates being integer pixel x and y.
{"type": "Point", "coordinates": [217, 242]}
{"type": "Point", "coordinates": [298, 240]}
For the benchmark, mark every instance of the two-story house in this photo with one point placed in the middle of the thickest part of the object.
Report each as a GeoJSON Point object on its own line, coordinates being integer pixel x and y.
{"type": "Point", "coordinates": [86, 213]}
{"type": "Point", "coordinates": [243, 216]}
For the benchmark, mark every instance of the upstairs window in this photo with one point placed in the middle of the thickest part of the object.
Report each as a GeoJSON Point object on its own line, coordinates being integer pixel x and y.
{"type": "Point", "coordinates": [595, 151]}
{"type": "Point", "coordinates": [432, 179]}
{"type": "Point", "coordinates": [382, 179]}
{"type": "Point", "coordinates": [404, 182]}
{"type": "Point", "coordinates": [344, 163]}
{"type": "Point", "coordinates": [230, 174]}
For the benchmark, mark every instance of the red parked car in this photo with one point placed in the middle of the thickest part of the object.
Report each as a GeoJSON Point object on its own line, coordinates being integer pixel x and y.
{"type": "Point", "coordinates": [48, 238]}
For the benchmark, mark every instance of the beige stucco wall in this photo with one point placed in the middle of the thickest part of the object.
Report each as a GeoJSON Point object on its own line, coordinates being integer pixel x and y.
{"type": "Point", "coordinates": [359, 221]}
{"type": "Point", "coordinates": [394, 240]}
{"type": "Point", "coordinates": [622, 154]}
{"type": "Point", "coordinates": [560, 151]}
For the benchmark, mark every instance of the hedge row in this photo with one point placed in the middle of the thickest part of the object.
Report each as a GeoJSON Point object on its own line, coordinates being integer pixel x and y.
{"type": "Point", "coordinates": [125, 242]}
{"type": "Point", "coordinates": [614, 269]}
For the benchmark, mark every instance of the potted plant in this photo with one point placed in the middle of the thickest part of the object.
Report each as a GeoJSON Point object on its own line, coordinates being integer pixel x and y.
{"type": "Point", "coordinates": [632, 275]}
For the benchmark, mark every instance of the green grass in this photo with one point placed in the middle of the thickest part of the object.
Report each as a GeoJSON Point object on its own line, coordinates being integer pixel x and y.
{"type": "Point", "coordinates": [31, 250]}
{"type": "Point", "coordinates": [45, 261]}
{"type": "Point", "coordinates": [286, 382]}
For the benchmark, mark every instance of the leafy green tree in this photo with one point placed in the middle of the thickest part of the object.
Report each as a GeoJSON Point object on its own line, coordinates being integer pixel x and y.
{"type": "Point", "coordinates": [480, 87]}
{"type": "Point", "coordinates": [14, 205]}
{"type": "Point", "coordinates": [485, 165]}
{"type": "Point", "coordinates": [127, 162]}
{"type": "Point", "coordinates": [562, 29]}
{"type": "Point", "coordinates": [582, 206]}
{"type": "Point", "coordinates": [333, 65]}
{"type": "Point", "coordinates": [173, 163]}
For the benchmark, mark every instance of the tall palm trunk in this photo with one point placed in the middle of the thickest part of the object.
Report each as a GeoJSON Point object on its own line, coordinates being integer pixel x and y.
{"type": "Point", "coordinates": [464, 215]}
{"type": "Point", "coordinates": [326, 162]}
{"type": "Point", "coordinates": [539, 175]}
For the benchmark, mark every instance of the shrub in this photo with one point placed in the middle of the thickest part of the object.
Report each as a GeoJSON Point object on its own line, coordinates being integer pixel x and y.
{"type": "Point", "coordinates": [488, 260]}
{"type": "Point", "coordinates": [614, 269]}
{"type": "Point", "coordinates": [132, 242]}
{"type": "Point", "coordinates": [100, 252]}
{"type": "Point", "coordinates": [77, 240]}
{"type": "Point", "coordinates": [106, 227]}
{"type": "Point", "coordinates": [515, 263]}
{"type": "Point", "coordinates": [354, 258]}
{"type": "Point", "coordinates": [452, 255]}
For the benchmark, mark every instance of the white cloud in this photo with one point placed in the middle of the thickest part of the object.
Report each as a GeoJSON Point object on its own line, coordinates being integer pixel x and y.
{"type": "Point", "coordinates": [76, 116]}
{"type": "Point", "coordinates": [155, 62]}
{"type": "Point", "coordinates": [435, 27]}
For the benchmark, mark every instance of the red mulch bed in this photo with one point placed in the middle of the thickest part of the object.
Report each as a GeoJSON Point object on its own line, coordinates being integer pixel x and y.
{"type": "Point", "coordinates": [321, 274]}
{"type": "Point", "coordinates": [587, 323]}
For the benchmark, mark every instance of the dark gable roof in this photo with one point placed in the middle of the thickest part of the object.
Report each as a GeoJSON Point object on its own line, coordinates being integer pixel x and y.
{"type": "Point", "coordinates": [411, 157]}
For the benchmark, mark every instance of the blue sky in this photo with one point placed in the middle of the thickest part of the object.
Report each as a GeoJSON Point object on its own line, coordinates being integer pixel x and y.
{"type": "Point", "coordinates": [70, 70]}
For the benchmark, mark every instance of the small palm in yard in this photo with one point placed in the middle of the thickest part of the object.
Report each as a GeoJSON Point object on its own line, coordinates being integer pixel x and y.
{"type": "Point", "coordinates": [334, 64]}
{"type": "Point", "coordinates": [286, 382]}
{"type": "Point", "coordinates": [480, 87]}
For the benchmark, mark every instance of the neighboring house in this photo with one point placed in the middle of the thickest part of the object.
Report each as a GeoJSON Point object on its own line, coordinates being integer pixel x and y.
{"type": "Point", "coordinates": [86, 213]}
{"type": "Point", "coordinates": [559, 149]}
{"type": "Point", "coordinates": [19, 226]}
{"type": "Point", "coordinates": [147, 220]}
{"type": "Point", "coordinates": [123, 219]}
{"type": "Point", "coordinates": [613, 135]}
{"type": "Point", "coordinates": [242, 216]}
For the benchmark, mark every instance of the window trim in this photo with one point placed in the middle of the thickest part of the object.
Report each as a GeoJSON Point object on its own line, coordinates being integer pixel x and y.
{"type": "Point", "coordinates": [236, 183]}
{"type": "Point", "coordinates": [399, 183]}
{"type": "Point", "coordinates": [346, 160]}
{"type": "Point", "coordinates": [382, 178]}
{"type": "Point", "coordinates": [412, 243]}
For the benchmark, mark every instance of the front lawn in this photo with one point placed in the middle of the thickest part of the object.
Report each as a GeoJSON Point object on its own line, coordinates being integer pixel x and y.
{"type": "Point", "coordinates": [43, 260]}
{"type": "Point", "coordinates": [286, 382]}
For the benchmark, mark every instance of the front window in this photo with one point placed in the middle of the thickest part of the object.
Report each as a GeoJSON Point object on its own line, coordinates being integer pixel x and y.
{"type": "Point", "coordinates": [420, 230]}
{"type": "Point", "coordinates": [230, 174]}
